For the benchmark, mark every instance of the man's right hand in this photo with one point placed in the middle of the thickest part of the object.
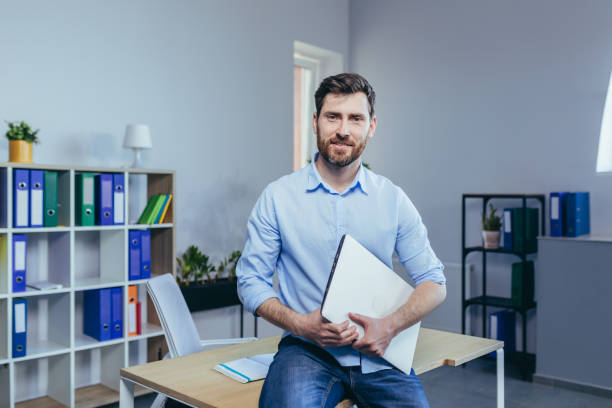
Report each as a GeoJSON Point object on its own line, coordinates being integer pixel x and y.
{"type": "Point", "coordinates": [325, 334]}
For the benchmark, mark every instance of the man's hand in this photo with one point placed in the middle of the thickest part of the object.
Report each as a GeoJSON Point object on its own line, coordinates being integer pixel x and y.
{"type": "Point", "coordinates": [378, 335]}
{"type": "Point", "coordinates": [325, 334]}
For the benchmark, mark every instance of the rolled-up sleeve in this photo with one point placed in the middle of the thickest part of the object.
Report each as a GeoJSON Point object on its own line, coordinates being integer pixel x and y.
{"type": "Point", "coordinates": [255, 269]}
{"type": "Point", "coordinates": [412, 245]}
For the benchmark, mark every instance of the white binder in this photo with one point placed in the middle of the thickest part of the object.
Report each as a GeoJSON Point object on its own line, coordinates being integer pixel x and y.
{"type": "Point", "coordinates": [360, 283]}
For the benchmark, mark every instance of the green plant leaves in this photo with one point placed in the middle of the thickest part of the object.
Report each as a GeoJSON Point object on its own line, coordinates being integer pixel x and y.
{"type": "Point", "coordinates": [21, 131]}
{"type": "Point", "coordinates": [195, 265]}
{"type": "Point", "coordinates": [492, 222]}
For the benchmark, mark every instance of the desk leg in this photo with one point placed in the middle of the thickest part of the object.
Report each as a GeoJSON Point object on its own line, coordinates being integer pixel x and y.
{"type": "Point", "coordinates": [126, 393]}
{"type": "Point", "coordinates": [500, 378]}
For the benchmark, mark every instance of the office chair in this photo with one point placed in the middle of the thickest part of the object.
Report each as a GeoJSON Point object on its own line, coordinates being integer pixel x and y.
{"type": "Point", "coordinates": [180, 331]}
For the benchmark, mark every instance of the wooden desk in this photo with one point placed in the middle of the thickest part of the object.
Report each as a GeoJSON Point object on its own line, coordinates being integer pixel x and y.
{"type": "Point", "coordinates": [191, 379]}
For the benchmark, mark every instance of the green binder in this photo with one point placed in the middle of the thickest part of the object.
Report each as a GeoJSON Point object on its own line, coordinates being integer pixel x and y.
{"type": "Point", "coordinates": [522, 283]}
{"type": "Point", "coordinates": [157, 208]}
{"type": "Point", "coordinates": [518, 238]}
{"type": "Point", "coordinates": [147, 213]}
{"type": "Point", "coordinates": [50, 198]}
{"type": "Point", "coordinates": [85, 199]}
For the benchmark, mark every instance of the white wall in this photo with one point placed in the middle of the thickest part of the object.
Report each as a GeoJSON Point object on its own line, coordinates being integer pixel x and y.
{"type": "Point", "coordinates": [213, 79]}
{"type": "Point", "coordinates": [486, 96]}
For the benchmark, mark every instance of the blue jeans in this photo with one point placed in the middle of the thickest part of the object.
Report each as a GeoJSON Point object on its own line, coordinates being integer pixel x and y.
{"type": "Point", "coordinates": [304, 375]}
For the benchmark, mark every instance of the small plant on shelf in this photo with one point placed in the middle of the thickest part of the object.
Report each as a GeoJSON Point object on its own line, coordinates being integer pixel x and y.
{"type": "Point", "coordinates": [491, 225]}
{"type": "Point", "coordinates": [21, 137]}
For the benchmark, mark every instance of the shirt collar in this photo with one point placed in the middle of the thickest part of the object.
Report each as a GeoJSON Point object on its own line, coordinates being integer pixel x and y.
{"type": "Point", "coordinates": [315, 181]}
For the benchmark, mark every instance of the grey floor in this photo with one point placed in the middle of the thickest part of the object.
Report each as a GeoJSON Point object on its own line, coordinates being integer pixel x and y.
{"type": "Point", "coordinates": [475, 386]}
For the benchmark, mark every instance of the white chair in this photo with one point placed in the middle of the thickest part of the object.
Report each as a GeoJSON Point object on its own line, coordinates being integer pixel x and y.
{"type": "Point", "coordinates": [181, 333]}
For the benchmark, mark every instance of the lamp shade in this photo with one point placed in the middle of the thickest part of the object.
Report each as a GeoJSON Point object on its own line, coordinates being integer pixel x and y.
{"type": "Point", "coordinates": [604, 152]}
{"type": "Point", "coordinates": [137, 137]}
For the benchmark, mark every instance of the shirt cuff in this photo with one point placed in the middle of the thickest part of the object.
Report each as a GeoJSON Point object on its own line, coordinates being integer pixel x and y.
{"type": "Point", "coordinates": [434, 275]}
{"type": "Point", "coordinates": [253, 303]}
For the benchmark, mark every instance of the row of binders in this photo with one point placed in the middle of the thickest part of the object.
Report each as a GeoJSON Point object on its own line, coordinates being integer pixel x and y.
{"type": "Point", "coordinates": [100, 199]}
{"type": "Point", "coordinates": [569, 214]}
{"type": "Point", "coordinates": [139, 257]}
{"type": "Point", "coordinates": [103, 313]}
{"type": "Point", "coordinates": [520, 229]}
{"type": "Point", "coordinates": [156, 209]}
{"type": "Point", "coordinates": [102, 316]}
{"type": "Point", "coordinates": [139, 254]}
{"type": "Point", "coordinates": [34, 198]}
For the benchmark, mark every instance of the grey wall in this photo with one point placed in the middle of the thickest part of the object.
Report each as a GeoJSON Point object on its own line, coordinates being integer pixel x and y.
{"type": "Point", "coordinates": [213, 79]}
{"type": "Point", "coordinates": [485, 96]}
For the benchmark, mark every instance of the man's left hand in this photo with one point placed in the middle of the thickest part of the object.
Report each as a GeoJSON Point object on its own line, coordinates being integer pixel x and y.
{"type": "Point", "coordinates": [378, 335]}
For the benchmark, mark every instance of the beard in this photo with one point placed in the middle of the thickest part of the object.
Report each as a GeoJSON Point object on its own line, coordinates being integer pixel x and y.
{"type": "Point", "coordinates": [333, 156]}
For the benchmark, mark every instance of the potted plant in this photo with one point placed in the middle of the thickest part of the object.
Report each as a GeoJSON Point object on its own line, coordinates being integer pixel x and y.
{"type": "Point", "coordinates": [201, 288]}
{"type": "Point", "coordinates": [21, 137]}
{"type": "Point", "coordinates": [491, 226]}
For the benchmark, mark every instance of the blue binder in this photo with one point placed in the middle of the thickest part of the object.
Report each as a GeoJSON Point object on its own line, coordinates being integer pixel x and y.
{"type": "Point", "coordinates": [21, 198]}
{"type": "Point", "coordinates": [558, 202]}
{"type": "Point", "coordinates": [20, 327]}
{"type": "Point", "coordinates": [117, 313]}
{"type": "Point", "coordinates": [145, 254]}
{"type": "Point", "coordinates": [577, 217]}
{"type": "Point", "coordinates": [97, 313]}
{"type": "Point", "coordinates": [585, 225]}
{"type": "Point", "coordinates": [20, 245]}
{"type": "Point", "coordinates": [507, 229]}
{"type": "Point", "coordinates": [134, 255]}
{"type": "Point", "coordinates": [37, 207]}
{"type": "Point", "coordinates": [104, 199]}
{"type": "Point", "coordinates": [118, 198]}
{"type": "Point", "coordinates": [502, 327]}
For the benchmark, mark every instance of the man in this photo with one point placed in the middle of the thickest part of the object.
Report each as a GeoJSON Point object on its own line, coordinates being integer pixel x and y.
{"type": "Point", "coordinates": [295, 228]}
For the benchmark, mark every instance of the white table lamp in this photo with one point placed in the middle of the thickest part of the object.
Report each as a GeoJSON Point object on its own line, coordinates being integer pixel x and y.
{"type": "Point", "coordinates": [604, 152]}
{"type": "Point", "coordinates": [137, 138]}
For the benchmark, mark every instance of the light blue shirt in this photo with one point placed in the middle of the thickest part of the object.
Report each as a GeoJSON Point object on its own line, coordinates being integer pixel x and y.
{"type": "Point", "coordinates": [296, 226]}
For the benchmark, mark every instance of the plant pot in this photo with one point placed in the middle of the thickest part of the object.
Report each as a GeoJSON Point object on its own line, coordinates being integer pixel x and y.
{"type": "Point", "coordinates": [211, 295]}
{"type": "Point", "coordinates": [491, 239]}
{"type": "Point", "coordinates": [20, 151]}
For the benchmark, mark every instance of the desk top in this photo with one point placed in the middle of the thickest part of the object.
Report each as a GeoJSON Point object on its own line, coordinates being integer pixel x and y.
{"type": "Point", "coordinates": [192, 378]}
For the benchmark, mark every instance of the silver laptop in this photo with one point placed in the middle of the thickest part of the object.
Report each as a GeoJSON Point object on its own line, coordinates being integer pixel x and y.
{"type": "Point", "coordinates": [360, 283]}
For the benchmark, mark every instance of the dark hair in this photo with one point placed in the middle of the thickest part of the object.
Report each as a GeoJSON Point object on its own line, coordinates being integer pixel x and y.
{"type": "Point", "coordinates": [347, 83]}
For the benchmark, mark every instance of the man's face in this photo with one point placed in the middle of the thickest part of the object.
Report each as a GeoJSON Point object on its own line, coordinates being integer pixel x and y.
{"type": "Point", "coordinates": [343, 127]}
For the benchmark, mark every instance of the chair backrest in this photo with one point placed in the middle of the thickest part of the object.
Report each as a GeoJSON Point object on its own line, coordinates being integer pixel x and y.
{"type": "Point", "coordinates": [181, 333]}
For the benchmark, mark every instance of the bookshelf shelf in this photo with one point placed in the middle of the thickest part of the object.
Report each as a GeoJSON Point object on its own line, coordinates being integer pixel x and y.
{"type": "Point", "coordinates": [150, 226]}
{"type": "Point", "coordinates": [43, 349]}
{"type": "Point", "coordinates": [63, 367]}
{"type": "Point", "coordinates": [493, 251]}
{"type": "Point", "coordinates": [33, 292]}
{"type": "Point", "coordinates": [38, 230]}
{"type": "Point", "coordinates": [148, 330]}
{"type": "Point", "coordinates": [41, 402]}
{"type": "Point", "coordinates": [84, 342]}
{"type": "Point", "coordinates": [96, 283]}
{"type": "Point", "coordinates": [100, 228]}
{"type": "Point", "coordinates": [497, 301]}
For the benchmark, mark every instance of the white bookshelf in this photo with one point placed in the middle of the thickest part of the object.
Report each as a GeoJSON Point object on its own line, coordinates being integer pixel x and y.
{"type": "Point", "coordinates": [63, 366]}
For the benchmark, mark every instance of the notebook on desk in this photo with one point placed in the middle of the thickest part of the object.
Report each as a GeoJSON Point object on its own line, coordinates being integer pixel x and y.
{"type": "Point", "coordinates": [360, 283]}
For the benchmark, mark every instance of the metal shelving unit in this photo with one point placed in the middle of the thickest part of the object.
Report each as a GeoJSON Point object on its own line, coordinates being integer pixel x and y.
{"type": "Point", "coordinates": [525, 360]}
